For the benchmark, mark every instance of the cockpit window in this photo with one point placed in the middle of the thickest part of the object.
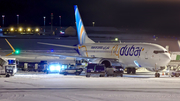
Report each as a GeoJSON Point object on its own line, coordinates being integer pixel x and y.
{"type": "Point", "coordinates": [159, 51]}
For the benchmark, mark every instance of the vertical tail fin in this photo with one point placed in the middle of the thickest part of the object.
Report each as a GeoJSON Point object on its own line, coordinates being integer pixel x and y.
{"type": "Point", "coordinates": [82, 36]}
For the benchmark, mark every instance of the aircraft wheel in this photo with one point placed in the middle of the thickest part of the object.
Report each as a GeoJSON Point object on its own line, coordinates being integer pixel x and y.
{"type": "Point", "coordinates": [7, 75]}
{"type": "Point", "coordinates": [177, 74]}
{"type": "Point", "coordinates": [157, 75]}
{"type": "Point", "coordinates": [121, 75]}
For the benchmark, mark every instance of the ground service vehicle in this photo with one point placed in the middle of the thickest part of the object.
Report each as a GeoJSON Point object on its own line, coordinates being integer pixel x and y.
{"type": "Point", "coordinates": [115, 71]}
{"type": "Point", "coordinates": [42, 66]}
{"type": "Point", "coordinates": [95, 69]}
{"type": "Point", "coordinates": [71, 69]}
{"type": "Point", "coordinates": [175, 73]}
{"type": "Point", "coordinates": [8, 66]}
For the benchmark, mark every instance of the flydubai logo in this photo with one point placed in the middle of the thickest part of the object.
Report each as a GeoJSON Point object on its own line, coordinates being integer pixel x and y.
{"type": "Point", "coordinates": [131, 51]}
{"type": "Point", "coordinates": [126, 51]}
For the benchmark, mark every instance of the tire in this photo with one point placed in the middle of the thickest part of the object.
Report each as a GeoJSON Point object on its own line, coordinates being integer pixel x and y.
{"type": "Point", "coordinates": [65, 73]}
{"type": "Point", "coordinates": [158, 74]}
{"type": "Point", "coordinates": [81, 69]}
{"type": "Point", "coordinates": [121, 75]}
{"type": "Point", "coordinates": [107, 75]}
{"type": "Point", "coordinates": [172, 75]}
{"type": "Point", "coordinates": [177, 74]}
{"type": "Point", "coordinates": [7, 75]}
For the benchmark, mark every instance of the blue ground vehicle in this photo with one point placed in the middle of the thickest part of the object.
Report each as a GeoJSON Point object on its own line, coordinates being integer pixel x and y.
{"type": "Point", "coordinates": [95, 69]}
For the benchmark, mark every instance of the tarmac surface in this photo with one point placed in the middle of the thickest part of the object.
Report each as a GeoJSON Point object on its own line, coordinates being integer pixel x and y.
{"type": "Point", "coordinates": [143, 86]}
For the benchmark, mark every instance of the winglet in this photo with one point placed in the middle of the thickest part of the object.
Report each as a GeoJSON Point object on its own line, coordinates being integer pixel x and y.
{"type": "Point", "coordinates": [178, 43]}
{"type": "Point", "coordinates": [11, 48]}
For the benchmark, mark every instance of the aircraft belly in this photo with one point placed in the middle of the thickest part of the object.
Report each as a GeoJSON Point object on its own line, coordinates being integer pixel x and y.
{"type": "Point", "coordinates": [100, 54]}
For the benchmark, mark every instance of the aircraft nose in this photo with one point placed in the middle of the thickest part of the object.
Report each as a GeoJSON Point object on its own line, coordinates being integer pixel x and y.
{"type": "Point", "coordinates": [167, 58]}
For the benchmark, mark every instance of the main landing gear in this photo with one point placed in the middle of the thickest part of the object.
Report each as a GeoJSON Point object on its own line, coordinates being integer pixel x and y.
{"type": "Point", "coordinates": [157, 74]}
{"type": "Point", "coordinates": [133, 70]}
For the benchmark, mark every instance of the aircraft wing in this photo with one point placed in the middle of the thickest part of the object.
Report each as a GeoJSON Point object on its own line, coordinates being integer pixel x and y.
{"type": "Point", "coordinates": [74, 47]}
{"type": "Point", "coordinates": [53, 54]}
{"type": "Point", "coordinates": [61, 55]}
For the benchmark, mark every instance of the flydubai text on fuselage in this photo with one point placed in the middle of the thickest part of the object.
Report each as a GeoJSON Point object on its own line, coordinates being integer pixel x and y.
{"type": "Point", "coordinates": [130, 54]}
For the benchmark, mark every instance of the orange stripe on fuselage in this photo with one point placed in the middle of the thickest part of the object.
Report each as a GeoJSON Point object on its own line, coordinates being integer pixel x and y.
{"type": "Point", "coordinates": [82, 29]}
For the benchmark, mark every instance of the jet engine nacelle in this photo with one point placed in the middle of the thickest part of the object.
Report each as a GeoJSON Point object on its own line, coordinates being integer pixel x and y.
{"type": "Point", "coordinates": [107, 62]}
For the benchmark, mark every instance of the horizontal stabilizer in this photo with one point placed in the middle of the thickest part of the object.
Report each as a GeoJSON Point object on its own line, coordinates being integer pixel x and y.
{"type": "Point", "coordinates": [11, 48]}
{"type": "Point", "coordinates": [57, 45]}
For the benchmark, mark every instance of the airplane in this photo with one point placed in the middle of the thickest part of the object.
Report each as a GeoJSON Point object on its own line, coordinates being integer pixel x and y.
{"type": "Point", "coordinates": [131, 55]}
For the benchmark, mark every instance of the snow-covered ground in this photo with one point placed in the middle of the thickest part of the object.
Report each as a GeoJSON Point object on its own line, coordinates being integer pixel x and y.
{"type": "Point", "coordinates": [54, 87]}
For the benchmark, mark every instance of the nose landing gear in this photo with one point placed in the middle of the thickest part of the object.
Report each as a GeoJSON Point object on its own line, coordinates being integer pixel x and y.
{"type": "Point", "coordinates": [157, 74]}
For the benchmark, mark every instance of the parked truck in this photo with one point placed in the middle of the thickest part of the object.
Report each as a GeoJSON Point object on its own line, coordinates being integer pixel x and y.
{"type": "Point", "coordinates": [8, 66]}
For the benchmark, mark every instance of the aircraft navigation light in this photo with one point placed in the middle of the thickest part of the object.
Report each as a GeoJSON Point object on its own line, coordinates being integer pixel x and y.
{"type": "Point", "coordinates": [17, 51]}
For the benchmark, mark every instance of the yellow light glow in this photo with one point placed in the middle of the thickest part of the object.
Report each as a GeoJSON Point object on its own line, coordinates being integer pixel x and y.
{"type": "Point", "coordinates": [20, 29]}
{"type": "Point", "coordinates": [37, 29]}
{"type": "Point", "coordinates": [116, 39]}
{"type": "Point", "coordinates": [28, 29]}
{"type": "Point", "coordinates": [12, 29]}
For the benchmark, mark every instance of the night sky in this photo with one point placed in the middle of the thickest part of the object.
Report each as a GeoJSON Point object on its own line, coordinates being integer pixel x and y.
{"type": "Point", "coordinates": [149, 14]}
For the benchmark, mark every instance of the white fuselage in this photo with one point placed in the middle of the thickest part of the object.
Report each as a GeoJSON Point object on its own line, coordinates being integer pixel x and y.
{"type": "Point", "coordinates": [130, 54]}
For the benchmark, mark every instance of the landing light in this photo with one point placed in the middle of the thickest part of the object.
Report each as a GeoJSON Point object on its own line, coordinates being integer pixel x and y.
{"type": "Point", "coordinates": [116, 39]}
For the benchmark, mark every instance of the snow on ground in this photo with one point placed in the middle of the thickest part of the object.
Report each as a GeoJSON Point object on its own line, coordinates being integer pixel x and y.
{"type": "Point", "coordinates": [54, 87]}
